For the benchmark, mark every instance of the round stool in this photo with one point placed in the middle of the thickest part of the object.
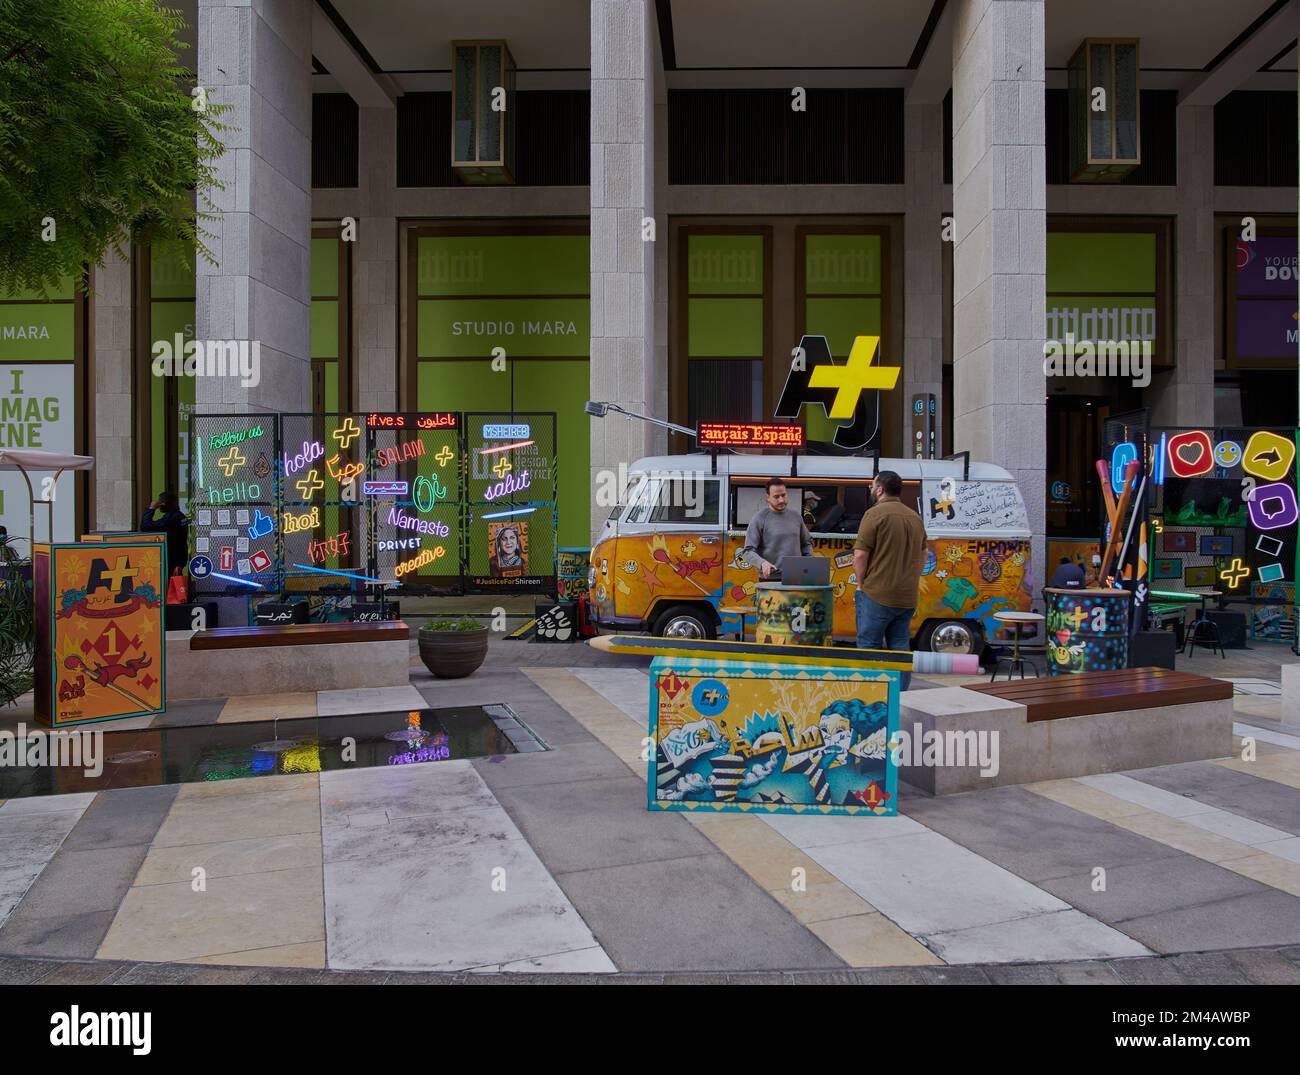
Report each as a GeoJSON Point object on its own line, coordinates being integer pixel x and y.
{"type": "Point", "coordinates": [1017, 661]}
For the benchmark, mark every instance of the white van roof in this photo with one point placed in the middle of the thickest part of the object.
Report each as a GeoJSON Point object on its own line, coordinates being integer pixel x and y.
{"type": "Point", "coordinates": [819, 466]}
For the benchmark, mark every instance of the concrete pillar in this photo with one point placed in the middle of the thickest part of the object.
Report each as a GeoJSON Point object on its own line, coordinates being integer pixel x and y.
{"type": "Point", "coordinates": [1184, 396]}
{"type": "Point", "coordinates": [375, 270]}
{"type": "Point", "coordinates": [256, 57]}
{"type": "Point", "coordinates": [114, 490]}
{"type": "Point", "coordinates": [999, 261]}
{"type": "Point", "coordinates": [923, 264]}
{"type": "Point", "coordinates": [622, 262]}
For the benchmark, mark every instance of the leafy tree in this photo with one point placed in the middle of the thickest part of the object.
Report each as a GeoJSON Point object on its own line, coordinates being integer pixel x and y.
{"type": "Point", "coordinates": [101, 139]}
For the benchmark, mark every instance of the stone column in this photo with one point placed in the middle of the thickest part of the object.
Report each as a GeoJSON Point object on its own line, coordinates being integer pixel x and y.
{"type": "Point", "coordinates": [114, 500]}
{"type": "Point", "coordinates": [999, 262]}
{"type": "Point", "coordinates": [923, 265]}
{"type": "Point", "coordinates": [256, 57]}
{"type": "Point", "coordinates": [375, 270]}
{"type": "Point", "coordinates": [1185, 395]}
{"type": "Point", "coordinates": [622, 263]}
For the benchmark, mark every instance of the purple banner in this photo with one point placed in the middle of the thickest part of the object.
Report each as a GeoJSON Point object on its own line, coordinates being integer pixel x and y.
{"type": "Point", "coordinates": [1266, 328]}
{"type": "Point", "coordinates": [1267, 267]}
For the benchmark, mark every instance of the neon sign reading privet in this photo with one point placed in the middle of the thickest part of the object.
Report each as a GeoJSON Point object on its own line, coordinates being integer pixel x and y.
{"type": "Point", "coordinates": [425, 558]}
{"type": "Point", "coordinates": [508, 485]}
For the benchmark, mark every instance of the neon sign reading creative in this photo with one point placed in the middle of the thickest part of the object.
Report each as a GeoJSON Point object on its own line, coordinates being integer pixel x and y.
{"type": "Point", "coordinates": [400, 519]}
{"type": "Point", "coordinates": [750, 435]}
{"type": "Point", "coordinates": [508, 485]}
{"type": "Point", "coordinates": [425, 558]}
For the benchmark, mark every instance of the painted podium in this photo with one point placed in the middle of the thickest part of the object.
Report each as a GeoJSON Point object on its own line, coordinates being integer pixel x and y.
{"type": "Point", "coordinates": [99, 631]}
{"type": "Point", "coordinates": [772, 738]}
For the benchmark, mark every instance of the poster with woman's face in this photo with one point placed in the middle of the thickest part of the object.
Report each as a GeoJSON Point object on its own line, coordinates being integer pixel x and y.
{"type": "Point", "coordinates": [508, 548]}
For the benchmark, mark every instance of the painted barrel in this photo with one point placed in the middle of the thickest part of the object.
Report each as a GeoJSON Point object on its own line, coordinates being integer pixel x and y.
{"type": "Point", "coordinates": [793, 615]}
{"type": "Point", "coordinates": [1087, 630]}
{"type": "Point", "coordinates": [571, 572]}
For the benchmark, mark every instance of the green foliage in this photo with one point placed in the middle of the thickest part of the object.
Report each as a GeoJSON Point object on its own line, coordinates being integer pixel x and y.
{"type": "Point", "coordinates": [17, 626]}
{"type": "Point", "coordinates": [465, 623]}
{"type": "Point", "coordinates": [100, 134]}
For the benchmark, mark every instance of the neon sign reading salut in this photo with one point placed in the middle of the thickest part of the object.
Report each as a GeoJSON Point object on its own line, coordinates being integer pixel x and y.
{"type": "Point", "coordinates": [508, 485]}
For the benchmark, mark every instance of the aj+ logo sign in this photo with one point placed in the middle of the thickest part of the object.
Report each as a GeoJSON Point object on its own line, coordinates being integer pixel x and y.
{"type": "Point", "coordinates": [819, 380]}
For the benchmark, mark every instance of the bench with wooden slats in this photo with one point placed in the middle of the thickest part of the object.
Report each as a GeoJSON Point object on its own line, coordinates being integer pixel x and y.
{"type": "Point", "coordinates": [1086, 693]}
{"type": "Point", "coordinates": [299, 634]}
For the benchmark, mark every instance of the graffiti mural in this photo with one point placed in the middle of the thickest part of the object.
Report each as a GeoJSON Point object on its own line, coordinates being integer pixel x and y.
{"type": "Point", "coordinates": [772, 738]}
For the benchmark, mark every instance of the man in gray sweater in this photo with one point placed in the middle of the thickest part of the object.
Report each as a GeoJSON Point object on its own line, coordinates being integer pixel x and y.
{"type": "Point", "coordinates": [775, 532]}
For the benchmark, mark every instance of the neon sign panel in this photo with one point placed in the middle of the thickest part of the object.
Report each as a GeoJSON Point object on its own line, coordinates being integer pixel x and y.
{"type": "Point", "coordinates": [506, 432]}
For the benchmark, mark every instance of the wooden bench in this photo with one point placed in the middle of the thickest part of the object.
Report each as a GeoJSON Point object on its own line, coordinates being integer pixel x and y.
{"type": "Point", "coordinates": [293, 658]}
{"type": "Point", "coordinates": [299, 634]}
{"type": "Point", "coordinates": [1087, 693]}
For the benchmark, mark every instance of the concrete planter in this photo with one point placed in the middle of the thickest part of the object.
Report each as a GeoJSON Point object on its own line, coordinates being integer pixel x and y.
{"type": "Point", "coordinates": [453, 654]}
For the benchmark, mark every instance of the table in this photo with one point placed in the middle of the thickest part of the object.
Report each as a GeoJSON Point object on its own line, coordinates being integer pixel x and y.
{"type": "Point", "coordinates": [793, 615]}
{"type": "Point", "coordinates": [1204, 622]}
{"type": "Point", "coordinates": [1017, 661]}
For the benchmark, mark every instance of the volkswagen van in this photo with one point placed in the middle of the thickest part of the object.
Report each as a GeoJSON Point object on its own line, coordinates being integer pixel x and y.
{"type": "Point", "coordinates": [669, 558]}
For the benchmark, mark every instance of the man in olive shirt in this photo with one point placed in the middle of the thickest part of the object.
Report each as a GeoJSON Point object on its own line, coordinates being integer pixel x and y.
{"type": "Point", "coordinates": [887, 559]}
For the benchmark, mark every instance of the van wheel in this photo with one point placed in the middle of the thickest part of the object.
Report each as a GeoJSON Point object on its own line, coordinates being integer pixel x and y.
{"type": "Point", "coordinates": [952, 636]}
{"type": "Point", "coordinates": [684, 621]}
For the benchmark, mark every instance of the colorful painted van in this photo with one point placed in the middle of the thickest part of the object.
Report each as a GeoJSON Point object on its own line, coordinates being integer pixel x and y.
{"type": "Point", "coordinates": [668, 560]}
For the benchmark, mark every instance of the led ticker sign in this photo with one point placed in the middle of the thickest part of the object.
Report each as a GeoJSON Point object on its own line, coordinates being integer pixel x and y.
{"type": "Point", "coordinates": [433, 420]}
{"type": "Point", "coordinates": [749, 435]}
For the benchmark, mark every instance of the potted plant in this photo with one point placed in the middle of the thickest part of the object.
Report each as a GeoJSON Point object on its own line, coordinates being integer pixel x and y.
{"type": "Point", "coordinates": [452, 649]}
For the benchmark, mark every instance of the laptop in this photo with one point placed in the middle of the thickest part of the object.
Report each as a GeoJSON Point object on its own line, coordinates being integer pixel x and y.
{"type": "Point", "coordinates": [805, 571]}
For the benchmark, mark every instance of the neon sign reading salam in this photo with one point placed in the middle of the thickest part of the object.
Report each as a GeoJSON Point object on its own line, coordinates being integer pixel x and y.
{"type": "Point", "coordinates": [400, 519]}
{"type": "Point", "coordinates": [411, 449]}
{"type": "Point", "coordinates": [508, 485]}
{"type": "Point", "coordinates": [320, 551]}
{"type": "Point", "coordinates": [423, 560]}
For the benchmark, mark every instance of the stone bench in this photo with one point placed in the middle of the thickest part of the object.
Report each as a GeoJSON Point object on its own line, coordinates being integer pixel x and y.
{"type": "Point", "coordinates": [230, 661]}
{"type": "Point", "coordinates": [1050, 732]}
{"type": "Point", "coordinates": [1291, 694]}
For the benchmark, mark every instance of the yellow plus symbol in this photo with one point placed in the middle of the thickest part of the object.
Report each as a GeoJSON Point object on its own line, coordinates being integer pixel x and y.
{"type": "Point", "coordinates": [444, 456]}
{"type": "Point", "coordinates": [1080, 614]}
{"type": "Point", "coordinates": [231, 461]}
{"type": "Point", "coordinates": [502, 468]}
{"type": "Point", "coordinates": [347, 433]}
{"type": "Point", "coordinates": [854, 377]}
{"type": "Point", "coordinates": [1234, 573]}
{"type": "Point", "coordinates": [310, 484]}
{"type": "Point", "coordinates": [122, 570]}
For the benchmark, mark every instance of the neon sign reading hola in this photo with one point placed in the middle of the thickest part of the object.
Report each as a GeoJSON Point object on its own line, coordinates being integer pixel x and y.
{"type": "Point", "coordinates": [311, 451]}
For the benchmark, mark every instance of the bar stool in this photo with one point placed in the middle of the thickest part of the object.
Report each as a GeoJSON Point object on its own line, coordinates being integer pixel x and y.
{"type": "Point", "coordinates": [1018, 621]}
{"type": "Point", "coordinates": [1204, 623]}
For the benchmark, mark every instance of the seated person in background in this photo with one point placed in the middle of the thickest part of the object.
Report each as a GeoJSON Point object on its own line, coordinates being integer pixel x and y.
{"type": "Point", "coordinates": [1068, 575]}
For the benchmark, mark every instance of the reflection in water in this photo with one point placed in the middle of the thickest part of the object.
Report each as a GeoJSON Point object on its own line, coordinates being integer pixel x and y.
{"type": "Point", "coordinates": [181, 755]}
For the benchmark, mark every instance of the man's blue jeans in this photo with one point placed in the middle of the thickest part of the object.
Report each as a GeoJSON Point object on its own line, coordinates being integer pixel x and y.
{"type": "Point", "coordinates": [883, 627]}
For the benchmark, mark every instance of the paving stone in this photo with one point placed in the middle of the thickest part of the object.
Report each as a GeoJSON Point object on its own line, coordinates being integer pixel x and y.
{"type": "Point", "coordinates": [1023, 974]}
{"type": "Point", "coordinates": [209, 975]}
{"type": "Point", "coordinates": [354, 977]}
{"type": "Point", "coordinates": [1147, 888]}
{"type": "Point", "coordinates": [1265, 801]}
{"type": "Point", "coordinates": [1160, 971]}
{"type": "Point", "coordinates": [889, 975]}
{"type": "Point", "coordinates": [1255, 920]}
{"type": "Point", "coordinates": [286, 977]}
{"type": "Point", "coordinates": [1086, 974]}
{"type": "Point", "coordinates": [759, 978]}
{"type": "Point", "coordinates": [423, 978]}
{"type": "Point", "coordinates": [1265, 967]}
{"type": "Point", "coordinates": [1033, 837]}
{"type": "Point", "coordinates": [694, 914]}
{"type": "Point", "coordinates": [102, 972]}
{"type": "Point", "coordinates": [157, 974]}
{"type": "Point", "coordinates": [56, 937]}
{"type": "Point", "coordinates": [1210, 968]}
{"type": "Point", "coordinates": [953, 975]}
{"type": "Point", "coordinates": [22, 971]}
{"type": "Point", "coordinates": [563, 763]}
{"type": "Point", "coordinates": [122, 818]}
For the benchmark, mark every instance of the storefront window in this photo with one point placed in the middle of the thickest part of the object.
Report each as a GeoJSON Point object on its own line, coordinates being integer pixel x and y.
{"type": "Point", "coordinates": [523, 299]}
{"type": "Point", "coordinates": [170, 399]}
{"type": "Point", "coordinates": [726, 335]}
{"type": "Point", "coordinates": [39, 340]}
